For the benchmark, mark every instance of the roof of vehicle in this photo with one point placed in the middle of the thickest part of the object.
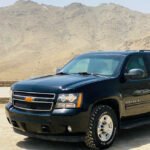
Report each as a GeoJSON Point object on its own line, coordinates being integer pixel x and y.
{"type": "Point", "coordinates": [119, 52]}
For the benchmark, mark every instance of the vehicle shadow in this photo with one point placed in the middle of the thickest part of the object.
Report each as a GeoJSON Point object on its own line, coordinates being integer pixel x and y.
{"type": "Point", "coordinates": [36, 144]}
{"type": "Point", "coordinates": [126, 140]}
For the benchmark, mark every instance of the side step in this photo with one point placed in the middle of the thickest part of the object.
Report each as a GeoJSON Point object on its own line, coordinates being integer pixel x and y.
{"type": "Point", "coordinates": [136, 122]}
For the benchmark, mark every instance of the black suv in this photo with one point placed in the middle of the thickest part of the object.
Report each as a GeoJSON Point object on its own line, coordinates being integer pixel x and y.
{"type": "Point", "coordinates": [89, 99]}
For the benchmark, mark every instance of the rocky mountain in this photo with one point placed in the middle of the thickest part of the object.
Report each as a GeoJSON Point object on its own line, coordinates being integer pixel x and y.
{"type": "Point", "coordinates": [35, 39]}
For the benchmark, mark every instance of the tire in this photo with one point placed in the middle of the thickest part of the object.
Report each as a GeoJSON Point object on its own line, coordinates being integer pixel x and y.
{"type": "Point", "coordinates": [98, 137]}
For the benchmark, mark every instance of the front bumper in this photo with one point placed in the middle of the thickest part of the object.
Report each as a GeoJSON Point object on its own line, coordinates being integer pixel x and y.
{"type": "Point", "coordinates": [48, 125]}
{"type": "Point", "coordinates": [58, 138]}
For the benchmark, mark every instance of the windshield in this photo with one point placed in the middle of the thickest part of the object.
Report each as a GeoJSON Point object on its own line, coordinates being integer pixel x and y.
{"type": "Point", "coordinates": [106, 65]}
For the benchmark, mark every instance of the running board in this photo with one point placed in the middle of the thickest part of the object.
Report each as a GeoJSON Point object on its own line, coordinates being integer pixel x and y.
{"type": "Point", "coordinates": [132, 123]}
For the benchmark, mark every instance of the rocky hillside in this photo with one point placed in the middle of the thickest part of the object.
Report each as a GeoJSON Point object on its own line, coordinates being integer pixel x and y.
{"type": "Point", "coordinates": [35, 39]}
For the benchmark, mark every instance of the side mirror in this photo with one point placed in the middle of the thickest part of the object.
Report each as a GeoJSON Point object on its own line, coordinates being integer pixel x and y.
{"type": "Point", "coordinates": [135, 74]}
{"type": "Point", "coordinates": [58, 70]}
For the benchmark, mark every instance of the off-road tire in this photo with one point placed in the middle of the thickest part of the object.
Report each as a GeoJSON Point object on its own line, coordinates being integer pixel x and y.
{"type": "Point", "coordinates": [92, 140]}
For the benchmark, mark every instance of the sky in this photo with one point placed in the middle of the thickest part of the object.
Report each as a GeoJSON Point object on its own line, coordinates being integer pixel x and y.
{"type": "Point", "coordinates": [139, 5]}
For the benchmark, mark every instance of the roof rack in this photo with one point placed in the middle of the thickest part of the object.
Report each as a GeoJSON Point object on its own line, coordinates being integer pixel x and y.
{"type": "Point", "coordinates": [144, 50]}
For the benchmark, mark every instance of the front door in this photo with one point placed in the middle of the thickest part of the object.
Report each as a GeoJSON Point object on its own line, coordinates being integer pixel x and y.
{"type": "Point", "coordinates": [136, 92]}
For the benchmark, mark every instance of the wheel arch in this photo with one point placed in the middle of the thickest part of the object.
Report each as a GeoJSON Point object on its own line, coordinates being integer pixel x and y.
{"type": "Point", "coordinates": [113, 103]}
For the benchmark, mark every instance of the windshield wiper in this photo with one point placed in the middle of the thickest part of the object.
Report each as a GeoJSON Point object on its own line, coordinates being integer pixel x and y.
{"type": "Point", "coordinates": [61, 73]}
{"type": "Point", "coordinates": [88, 73]}
{"type": "Point", "coordinates": [83, 73]}
{"type": "Point", "coordinates": [98, 74]}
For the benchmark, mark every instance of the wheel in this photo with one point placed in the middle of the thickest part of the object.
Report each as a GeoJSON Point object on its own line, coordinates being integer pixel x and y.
{"type": "Point", "coordinates": [103, 127]}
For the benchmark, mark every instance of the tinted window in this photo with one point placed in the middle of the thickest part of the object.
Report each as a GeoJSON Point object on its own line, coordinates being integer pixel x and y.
{"type": "Point", "coordinates": [136, 62]}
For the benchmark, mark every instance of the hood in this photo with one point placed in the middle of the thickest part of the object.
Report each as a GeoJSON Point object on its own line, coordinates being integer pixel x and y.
{"type": "Point", "coordinates": [55, 83]}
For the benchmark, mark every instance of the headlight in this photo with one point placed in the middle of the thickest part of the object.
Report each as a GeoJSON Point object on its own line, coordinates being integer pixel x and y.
{"type": "Point", "coordinates": [10, 96]}
{"type": "Point", "coordinates": [73, 100]}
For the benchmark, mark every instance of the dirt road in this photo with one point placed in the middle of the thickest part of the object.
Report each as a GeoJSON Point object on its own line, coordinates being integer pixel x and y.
{"type": "Point", "coordinates": [135, 139]}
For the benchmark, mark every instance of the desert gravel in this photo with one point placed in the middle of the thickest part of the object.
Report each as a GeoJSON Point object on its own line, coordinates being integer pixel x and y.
{"type": "Point", "coordinates": [135, 139]}
{"type": "Point", "coordinates": [4, 92]}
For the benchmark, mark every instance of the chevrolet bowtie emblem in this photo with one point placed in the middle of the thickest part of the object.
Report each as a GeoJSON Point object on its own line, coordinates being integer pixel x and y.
{"type": "Point", "coordinates": [29, 99]}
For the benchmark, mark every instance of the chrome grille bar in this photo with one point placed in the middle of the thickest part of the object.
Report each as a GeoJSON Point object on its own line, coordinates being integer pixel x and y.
{"type": "Point", "coordinates": [35, 93]}
{"type": "Point", "coordinates": [41, 101]}
{"type": "Point", "coordinates": [19, 96]}
{"type": "Point", "coordinates": [33, 101]}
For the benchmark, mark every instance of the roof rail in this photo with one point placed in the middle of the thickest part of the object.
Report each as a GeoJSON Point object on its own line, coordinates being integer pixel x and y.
{"type": "Point", "coordinates": [144, 50]}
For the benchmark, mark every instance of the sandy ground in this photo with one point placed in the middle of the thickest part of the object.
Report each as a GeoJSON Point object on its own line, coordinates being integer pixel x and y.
{"type": "Point", "coordinates": [135, 139]}
{"type": "Point", "coordinates": [4, 92]}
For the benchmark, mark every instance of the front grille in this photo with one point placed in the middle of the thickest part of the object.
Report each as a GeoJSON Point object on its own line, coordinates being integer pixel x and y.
{"type": "Point", "coordinates": [40, 101]}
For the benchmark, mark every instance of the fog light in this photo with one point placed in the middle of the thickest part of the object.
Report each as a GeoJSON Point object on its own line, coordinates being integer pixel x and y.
{"type": "Point", "coordinates": [69, 129]}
